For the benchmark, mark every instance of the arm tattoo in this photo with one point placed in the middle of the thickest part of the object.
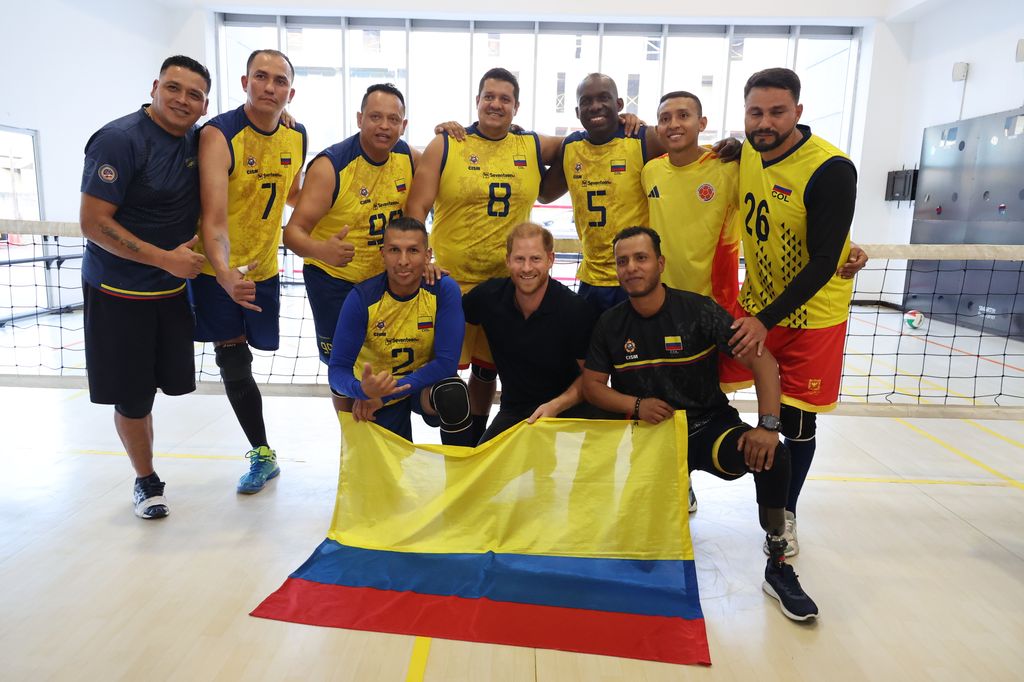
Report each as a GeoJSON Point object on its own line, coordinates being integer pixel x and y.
{"type": "Point", "coordinates": [113, 234]}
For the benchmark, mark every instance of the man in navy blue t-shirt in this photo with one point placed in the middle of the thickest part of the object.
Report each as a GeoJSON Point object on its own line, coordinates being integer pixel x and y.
{"type": "Point", "coordinates": [140, 206]}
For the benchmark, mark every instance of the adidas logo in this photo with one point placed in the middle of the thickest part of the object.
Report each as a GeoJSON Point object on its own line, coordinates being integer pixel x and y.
{"type": "Point", "coordinates": [655, 194]}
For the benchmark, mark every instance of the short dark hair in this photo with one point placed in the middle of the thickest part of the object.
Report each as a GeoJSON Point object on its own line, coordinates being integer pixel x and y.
{"type": "Point", "coordinates": [675, 94]}
{"type": "Point", "coordinates": [636, 231]}
{"type": "Point", "coordinates": [408, 224]}
{"type": "Point", "coordinates": [190, 64]}
{"type": "Point", "coordinates": [388, 88]}
{"type": "Point", "coordinates": [784, 79]}
{"type": "Point", "coordinates": [275, 53]}
{"type": "Point", "coordinates": [500, 74]}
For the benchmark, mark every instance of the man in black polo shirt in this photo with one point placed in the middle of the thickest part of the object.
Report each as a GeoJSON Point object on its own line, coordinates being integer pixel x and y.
{"type": "Point", "coordinates": [538, 331]}
{"type": "Point", "coordinates": [660, 348]}
{"type": "Point", "coordinates": [140, 206]}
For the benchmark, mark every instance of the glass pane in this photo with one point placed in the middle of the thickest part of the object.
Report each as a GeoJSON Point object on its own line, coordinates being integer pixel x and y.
{"type": "Point", "coordinates": [19, 194]}
{"type": "Point", "coordinates": [564, 60]}
{"type": "Point", "coordinates": [749, 55]}
{"type": "Point", "coordinates": [374, 56]}
{"type": "Point", "coordinates": [512, 51]}
{"type": "Point", "coordinates": [634, 62]}
{"type": "Point", "coordinates": [697, 64]}
{"type": "Point", "coordinates": [316, 55]}
{"type": "Point", "coordinates": [823, 65]}
{"type": "Point", "coordinates": [432, 99]}
{"type": "Point", "coordinates": [240, 42]}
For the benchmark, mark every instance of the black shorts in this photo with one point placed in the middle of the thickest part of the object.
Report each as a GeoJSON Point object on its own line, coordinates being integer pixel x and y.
{"type": "Point", "coordinates": [134, 347]}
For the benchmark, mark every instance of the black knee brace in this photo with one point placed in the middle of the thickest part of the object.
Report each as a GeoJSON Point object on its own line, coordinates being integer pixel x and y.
{"type": "Point", "coordinates": [450, 399]}
{"type": "Point", "coordinates": [136, 409]}
{"type": "Point", "coordinates": [235, 361]}
{"type": "Point", "coordinates": [485, 374]}
{"type": "Point", "coordinates": [798, 424]}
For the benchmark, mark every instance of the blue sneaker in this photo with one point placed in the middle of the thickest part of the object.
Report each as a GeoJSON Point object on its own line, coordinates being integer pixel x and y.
{"type": "Point", "coordinates": [262, 468]}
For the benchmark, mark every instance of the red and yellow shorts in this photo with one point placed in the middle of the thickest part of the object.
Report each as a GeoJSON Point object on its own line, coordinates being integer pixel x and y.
{"type": "Point", "coordinates": [810, 366]}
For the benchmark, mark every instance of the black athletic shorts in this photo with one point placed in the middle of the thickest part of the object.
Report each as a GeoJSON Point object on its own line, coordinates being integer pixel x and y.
{"type": "Point", "coordinates": [134, 347]}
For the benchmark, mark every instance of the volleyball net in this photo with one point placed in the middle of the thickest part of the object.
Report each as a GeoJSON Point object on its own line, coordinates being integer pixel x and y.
{"type": "Point", "coordinates": [934, 330]}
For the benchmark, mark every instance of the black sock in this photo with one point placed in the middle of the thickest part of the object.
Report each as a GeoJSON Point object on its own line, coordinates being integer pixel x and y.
{"type": "Point", "coordinates": [478, 427]}
{"type": "Point", "coordinates": [246, 401]}
{"type": "Point", "coordinates": [801, 454]}
{"type": "Point", "coordinates": [464, 437]}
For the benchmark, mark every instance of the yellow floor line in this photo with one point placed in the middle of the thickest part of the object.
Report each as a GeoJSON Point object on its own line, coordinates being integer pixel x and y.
{"type": "Point", "coordinates": [963, 455]}
{"type": "Point", "coordinates": [912, 481]}
{"type": "Point", "coordinates": [77, 394]}
{"type": "Point", "coordinates": [995, 434]}
{"type": "Point", "coordinates": [177, 455]}
{"type": "Point", "coordinates": [418, 661]}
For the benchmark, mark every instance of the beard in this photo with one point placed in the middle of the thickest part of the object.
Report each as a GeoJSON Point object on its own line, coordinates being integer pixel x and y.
{"type": "Point", "coordinates": [773, 141]}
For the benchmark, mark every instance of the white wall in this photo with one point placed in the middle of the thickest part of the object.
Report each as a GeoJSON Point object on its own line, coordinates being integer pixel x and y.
{"type": "Point", "coordinates": [72, 66]}
{"type": "Point", "coordinates": [911, 88]}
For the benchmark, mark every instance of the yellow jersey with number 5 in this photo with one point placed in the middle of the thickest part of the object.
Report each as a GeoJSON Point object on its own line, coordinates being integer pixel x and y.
{"type": "Point", "coordinates": [264, 164]}
{"type": "Point", "coordinates": [487, 187]}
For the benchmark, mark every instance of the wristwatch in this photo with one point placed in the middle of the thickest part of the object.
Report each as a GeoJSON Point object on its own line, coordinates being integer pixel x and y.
{"type": "Point", "coordinates": [769, 422]}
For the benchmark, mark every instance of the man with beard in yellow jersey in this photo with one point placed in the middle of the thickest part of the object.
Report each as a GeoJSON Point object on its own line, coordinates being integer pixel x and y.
{"type": "Point", "coordinates": [479, 189]}
{"type": "Point", "coordinates": [352, 190]}
{"type": "Point", "coordinates": [797, 201]}
{"type": "Point", "coordinates": [248, 168]}
{"type": "Point", "coordinates": [692, 202]}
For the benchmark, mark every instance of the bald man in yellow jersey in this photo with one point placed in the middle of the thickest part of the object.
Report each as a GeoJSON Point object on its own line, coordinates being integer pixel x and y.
{"type": "Point", "coordinates": [351, 192]}
{"type": "Point", "coordinates": [479, 189]}
{"type": "Point", "coordinates": [693, 205]}
{"type": "Point", "coordinates": [248, 167]}
{"type": "Point", "coordinates": [798, 194]}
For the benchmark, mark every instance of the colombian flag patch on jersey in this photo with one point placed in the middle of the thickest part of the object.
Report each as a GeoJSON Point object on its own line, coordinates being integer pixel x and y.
{"type": "Point", "coordinates": [425, 323]}
{"type": "Point", "coordinates": [673, 343]}
{"type": "Point", "coordinates": [519, 161]}
{"type": "Point", "coordinates": [286, 159]}
{"type": "Point", "coordinates": [400, 184]}
{"type": "Point", "coordinates": [618, 165]}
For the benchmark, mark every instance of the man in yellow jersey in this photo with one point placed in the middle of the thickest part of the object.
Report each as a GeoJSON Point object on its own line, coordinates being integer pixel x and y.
{"type": "Point", "coordinates": [479, 188]}
{"type": "Point", "coordinates": [600, 168]}
{"type": "Point", "coordinates": [249, 166]}
{"type": "Point", "coordinates": [351, 191]}
{"type": "Point", "coordinates": [692, 203]}
{"type": "Point", "coordinates": [402, 336]}
{"type": "Point", "coordinates": [797, 196]}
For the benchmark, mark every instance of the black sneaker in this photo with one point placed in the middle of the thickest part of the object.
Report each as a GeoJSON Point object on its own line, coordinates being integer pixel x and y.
{"type": "Point", "coordinates": [149, 498]}
{"type": "Point", "coordinates": [780, 582]}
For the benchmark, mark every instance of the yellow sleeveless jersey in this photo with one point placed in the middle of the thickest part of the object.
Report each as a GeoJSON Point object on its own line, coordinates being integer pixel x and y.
{"type": "Point", "coordinates": [693, 209]}
{"type": "Point", "coordinates": [487, 187]}
{"type": "Point", "coordinates": [774, 233]}
{"type": "Point", "coordinates": [604, 183]}
{"type": "Point", "coordinates": [263, 167]}
{"type": "Point", "coordinates": [367, 197]}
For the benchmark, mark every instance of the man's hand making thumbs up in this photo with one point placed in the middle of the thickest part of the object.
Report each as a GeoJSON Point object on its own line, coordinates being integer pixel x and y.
{"type": "Point", "coordinates": [183, 261]}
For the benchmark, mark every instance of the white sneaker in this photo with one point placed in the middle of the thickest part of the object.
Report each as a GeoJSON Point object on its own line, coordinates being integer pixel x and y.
{"type": "Point", "coordinates": [789, 534]}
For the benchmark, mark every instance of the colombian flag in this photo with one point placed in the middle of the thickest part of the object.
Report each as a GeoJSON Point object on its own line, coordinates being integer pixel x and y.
{"type": "Point", "coordinates": [286, 159]}
{"type": "Point", "coordinates": [782, 190]}
{"type": "Point", "coordinates": [519, 161]}
{"type": "Point", "coordinates": [400, 185]}
{"type": "Point", "coordinates": [565, 534]}
{"type": "Point", "coordinates": [618, 165]}
{"type": "Point", "coordinates": [424, 323]}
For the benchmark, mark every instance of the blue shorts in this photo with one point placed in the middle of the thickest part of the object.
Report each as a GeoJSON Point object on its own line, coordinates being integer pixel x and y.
{"type": "Point", "coordinates": [602, 298]}
{"type": "Point", "coordinates": [397, 417]}
{"type": "Point", "coordinates": [218, 318]}
{"type": "Point", "coordinates": [326, 295]}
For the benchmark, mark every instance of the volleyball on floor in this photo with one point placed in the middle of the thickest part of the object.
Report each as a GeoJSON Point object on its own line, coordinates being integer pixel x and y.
{"type": "Point", "coordinates": [913, 319]}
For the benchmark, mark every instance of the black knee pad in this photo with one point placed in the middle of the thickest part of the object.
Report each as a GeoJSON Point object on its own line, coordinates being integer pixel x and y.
{"type": "Point", "coordinates": [136, 409]}
{"type": "Point", "coordinates": [450, 399]}
{"type": "Point", "coordinates": [485, 374]}
{"type": "Point", "coordinates": [234, 360]}
{"type": "Point", "coordinates": [798, 424]}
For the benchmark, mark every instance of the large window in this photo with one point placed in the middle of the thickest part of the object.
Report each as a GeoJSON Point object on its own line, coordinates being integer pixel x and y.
{"type": "Point", "coordinates": [438, 63]}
